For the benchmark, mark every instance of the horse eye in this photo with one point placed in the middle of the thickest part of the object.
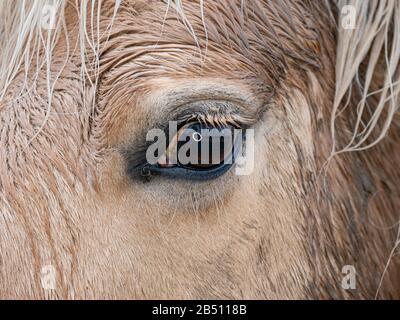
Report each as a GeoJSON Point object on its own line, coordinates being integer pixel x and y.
{"type": "Point", "coordinates": [198, 151]}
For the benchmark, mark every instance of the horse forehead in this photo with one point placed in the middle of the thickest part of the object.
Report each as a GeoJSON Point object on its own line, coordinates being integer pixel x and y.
{"type": "Point", "coordinates": [232, 38]}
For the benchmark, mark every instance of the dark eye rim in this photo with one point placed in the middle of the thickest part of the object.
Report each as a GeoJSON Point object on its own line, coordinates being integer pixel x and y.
{"type": "Point", "coordinates": [181, 172]}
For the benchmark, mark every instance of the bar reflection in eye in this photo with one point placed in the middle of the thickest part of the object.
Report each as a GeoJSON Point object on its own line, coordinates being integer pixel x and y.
{"type": "Point", "coordinates": [200, 146]}
{"type": "Point", "coordinates": [198, 151]}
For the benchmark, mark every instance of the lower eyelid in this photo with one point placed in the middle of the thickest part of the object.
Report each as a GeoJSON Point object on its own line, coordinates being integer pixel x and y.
{"type": "Point", "coordinates": [187, 174]}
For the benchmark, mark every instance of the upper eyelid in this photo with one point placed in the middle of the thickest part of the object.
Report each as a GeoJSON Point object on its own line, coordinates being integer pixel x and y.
{"type": "Point", "coordinates": [217, 119]}
{"type": "Point", "coordinates": [215, 112]}
{"type": "Point", "coordinates": [246, 96]}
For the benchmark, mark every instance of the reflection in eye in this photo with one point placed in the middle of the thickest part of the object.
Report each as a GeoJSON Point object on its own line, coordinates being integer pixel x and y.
{"type": "Point", "coordinates": [198, 151]}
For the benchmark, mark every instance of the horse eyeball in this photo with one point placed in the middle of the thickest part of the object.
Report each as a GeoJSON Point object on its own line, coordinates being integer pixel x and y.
{"type": "Point", "coordinates": [198, 151]}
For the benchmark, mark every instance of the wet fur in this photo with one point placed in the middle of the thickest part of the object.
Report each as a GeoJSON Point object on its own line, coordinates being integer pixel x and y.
{"type": "Point", "coordinates": [284, 232]}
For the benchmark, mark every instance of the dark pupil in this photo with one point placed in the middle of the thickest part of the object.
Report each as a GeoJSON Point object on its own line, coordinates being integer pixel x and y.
{"type": "Point", "coordinates": [213, 146]}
